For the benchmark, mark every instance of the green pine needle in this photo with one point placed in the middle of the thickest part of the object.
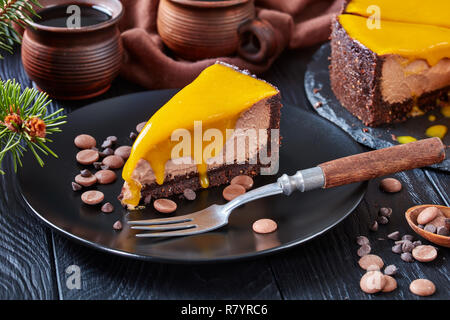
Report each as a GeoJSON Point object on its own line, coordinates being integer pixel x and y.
{"type": "Point", "coordinates": [28, 103]}
{"type": "Point", "coordinates": [18, 12]}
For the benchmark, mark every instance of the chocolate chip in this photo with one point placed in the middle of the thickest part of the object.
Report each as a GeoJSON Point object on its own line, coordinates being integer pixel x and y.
{"type": "Point", "coordinates": [382, 220]}
{"type": "Point", "coordinates": [107, 144]}
{"type": "Point", "coordinates": [394, 235]}
{"type": "Point", "coordinates": [442, 231]}
{"type": "Point", "coordinates": [407, 257]}
{"type": "Point", "coordinates": [397, 249]}
{"type": "Point", "coordinates": [232, 191]}
{"type": "Point", "coordinates": [430, 228]}
{"type": "Point", "coordinates": [427, 215]}
{"type": "Point", "coordinates": [408, 237]}
{"type": "Point", "coordinates": [264, 226]}
{"type": "Point", "coordinates": [92, 197]}
{"type": "Point", "coordinates": [140, 126]}
{"type": "Point", "coordinates": [373, 226]}
{"type": "Point", "coordinates": [385, 212]}
{"type": "Point", "coordinates": [407, 246]}
{"type": "Point", "coordinates": [113, 139]}
{"type": "Point", "coordinates": [189, 194]}
{"type": "Point", "coordinates": [447, 223]}
{"type": "Point", "coordinates": [390, 185]}
{"type": "Point", "coordinates": [86, 181]}
{"type": "Point", "coordinates": [424, 253]}
{"type": "Point", "coordinates": [165, 205]}
{"type": "Point", "coordinates": [370, 260]}
{"type": "Point", "coordinates": [113, 162]}
{"type": "Point", "coordinates": [105, 176]}
{"type": "Point", "coordinates": [123, 151]}
{"type": "Point", "coordinates": [391, 284]}
{"type": "Point", "coordinates": [85, 173]}
{"type": "Point", "coordinates": [417, 243]}
{"type": "Point", "coordinates": [372, 282]}
{"type": "Point", "coordinates": [364, 250]}
{"type": "Point", "coordinates": [133, 135]}
{"type": "Point", "coordinates": [362, 240]}
{"type": "Point", "coordinates": [148, 199]}
{"type": "Point", "coordinates": [373, 268]}
{"type": "Point", "coordinates": [106, 152]}
{"type": "Point", "coordinates": [117, 225]}
{"type": "Point", "coordinates": [97, 165]}
{"type": "Point", "coordinates": [85, 141]}
{"type": "Point", "coordinates": [422, 287]}
{"type": "Point", "coordinates": [390, 270]}
{"type": "Point", "coordinates": [76, 186]}
{"type": "Point", "coordinates": [107, 208]}
{"type": "Point", "coordinates": [245, 181]}
{"type": "Point", "coordinates": [87, 156]}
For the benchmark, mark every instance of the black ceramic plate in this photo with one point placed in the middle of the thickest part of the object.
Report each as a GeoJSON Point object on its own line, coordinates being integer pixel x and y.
{"type": "Point", "coordinates": [318, 89]}
{"type": "Point", "coordinates": [307, 141]}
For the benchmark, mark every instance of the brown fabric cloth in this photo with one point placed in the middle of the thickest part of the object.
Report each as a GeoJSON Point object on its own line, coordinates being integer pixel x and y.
{"type": "Point", "coordinates": [297, 23]}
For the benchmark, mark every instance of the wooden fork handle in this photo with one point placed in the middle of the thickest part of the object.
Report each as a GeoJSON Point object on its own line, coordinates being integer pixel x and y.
{"type": "Point", "coordinates": [369, 165]}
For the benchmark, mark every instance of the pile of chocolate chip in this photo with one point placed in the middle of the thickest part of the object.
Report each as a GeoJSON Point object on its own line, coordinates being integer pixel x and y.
{"type": "Point", "coordinates": [374, 281]}
{"type": "Point", "coordinates": [408, 249]}
{"type": "Point", "coordinates": [406, 246]}
{"type": "Point", "coordinates": [109, 158]}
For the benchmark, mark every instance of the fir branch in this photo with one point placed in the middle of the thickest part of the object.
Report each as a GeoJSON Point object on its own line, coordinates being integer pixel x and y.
{"type": "Point", "coordinates": [18, 12]}
{"type": "Point", "coordinates": [24, 123]}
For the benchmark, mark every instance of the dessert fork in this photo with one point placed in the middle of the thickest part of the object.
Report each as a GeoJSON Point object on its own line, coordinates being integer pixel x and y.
{"type": "Point", "coordinates": [355, 168]}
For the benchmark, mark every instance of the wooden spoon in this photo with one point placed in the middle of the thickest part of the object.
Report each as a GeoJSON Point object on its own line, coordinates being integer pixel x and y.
{"type": "Point", "coordinates": [411, 216]}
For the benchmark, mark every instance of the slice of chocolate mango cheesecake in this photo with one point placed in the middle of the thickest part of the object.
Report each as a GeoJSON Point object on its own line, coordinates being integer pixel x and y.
{"type": "Point", "coordinates": [399, 68]}
{"type": "Point", "coordinates": [211, 131]}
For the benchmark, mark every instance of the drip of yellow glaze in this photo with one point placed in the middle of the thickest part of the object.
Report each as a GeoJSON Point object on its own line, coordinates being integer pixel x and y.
{"type": "Point", "coordinates": [415, 110]}
{"type": "Point", "coordinates": [438, 130]}
{"type": "Point", "coordinates": [405, 139]}
{"type": "Point", "coordinates": [409, 40]}
{"type": "Point", "coordinates": [445, 110]}
{"type": "Point", "coordinates": [434, 13]}
{"type": "Point", "coordinates": [217, 97]}
{"type": "Point", "coordinates": [431, 118]}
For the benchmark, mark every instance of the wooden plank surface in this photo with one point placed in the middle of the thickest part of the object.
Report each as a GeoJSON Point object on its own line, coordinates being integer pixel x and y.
{"type": "Point", "coordinates": [26, 265]}
{"type": "Point", "coordinates": [34, 259]}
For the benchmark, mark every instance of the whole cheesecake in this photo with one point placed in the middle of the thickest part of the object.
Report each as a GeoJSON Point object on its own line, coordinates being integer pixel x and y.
{"type": "Point", "coordinates": [222, 98]}
{"type": "Point", "coordinates": [398, 70]}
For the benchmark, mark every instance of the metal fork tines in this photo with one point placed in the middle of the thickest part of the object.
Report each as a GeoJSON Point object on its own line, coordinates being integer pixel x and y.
{"type": "Point", "coordinates": [202, 221]}
{"type": "Point", "coordinates": [205, 220]}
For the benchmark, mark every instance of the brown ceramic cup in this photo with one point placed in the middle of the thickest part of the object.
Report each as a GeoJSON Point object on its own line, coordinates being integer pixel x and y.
{"type": "Point", "coordinates": [199, 29]}
{"type": "Point", "coordinates": [74, 63]}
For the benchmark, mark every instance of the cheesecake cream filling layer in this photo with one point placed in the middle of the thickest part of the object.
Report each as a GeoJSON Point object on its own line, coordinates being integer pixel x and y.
{"type": "Point", "coordinates": [402, 79]}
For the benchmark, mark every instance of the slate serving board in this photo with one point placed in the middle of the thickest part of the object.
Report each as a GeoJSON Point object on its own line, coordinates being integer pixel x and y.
{"type": "Point", "coordinates": [318, 90]}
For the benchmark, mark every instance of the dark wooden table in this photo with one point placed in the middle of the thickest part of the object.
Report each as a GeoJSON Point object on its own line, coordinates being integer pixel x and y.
{"type": "Point", "coordinates": [34, 258]}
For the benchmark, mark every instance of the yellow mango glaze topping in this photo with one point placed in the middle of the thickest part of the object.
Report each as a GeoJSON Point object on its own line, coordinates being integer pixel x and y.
{"type": "Point", "coordinates": [409, 40]}
{"type": "Point", "coordinates": [435, 12]}
{"type": "Point", "coordinates": [217, 97]}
